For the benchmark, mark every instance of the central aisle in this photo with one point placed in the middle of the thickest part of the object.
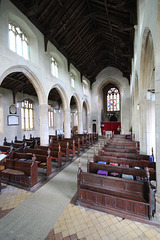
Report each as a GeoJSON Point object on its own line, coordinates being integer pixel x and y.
{"type": "Point", "coordinates": [33, 219]}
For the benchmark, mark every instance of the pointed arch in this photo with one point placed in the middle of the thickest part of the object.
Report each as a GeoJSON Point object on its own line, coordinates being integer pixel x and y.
{"type": "Point", "coordinates": [62, 94]}
{"type": "Point", "coordinates": [78, 102]}
{"type": "Point", "coordinates": [31, 76]}
{"type": "Point", "coordinates": [87, 106]}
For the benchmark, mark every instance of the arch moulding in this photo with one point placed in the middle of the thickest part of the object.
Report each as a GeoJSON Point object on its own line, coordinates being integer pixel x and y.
{"type": "Point", "coordinates": [31, 76]}
{"type": "Point", "coordinates": [62, 94]}
{"type": "Point", "coordinates": [78, 102]}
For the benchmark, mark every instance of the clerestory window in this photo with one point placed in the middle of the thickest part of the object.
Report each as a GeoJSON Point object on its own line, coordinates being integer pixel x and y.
{"type": "Point", "coordinates": [72, 80]}
{"type": "Point", "coordinates": [18, 41]}
{"type": "Point", "coordinates": [54, 67]}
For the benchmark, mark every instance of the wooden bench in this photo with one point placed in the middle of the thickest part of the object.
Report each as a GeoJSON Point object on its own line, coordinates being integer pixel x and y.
{"type": "Point", "coordinates": [119, 150]}
{"type": "Point", "coordinates": [20, 173]}
{"type": "Point", "coordinates": [25, 142]}
{"type": "Point", "coordinates": [76, 142]}
{"type": "Point", "coordinates": [44, 161]}
{"type": "Point", "coordinates": [14, 145]}
{"type": "Point", "coordinates": [121, 170]}
{"type": "Point", "coordinates": [54, 155]}
{"type": "Point", "coordinates": [121, 161]}
{"type": "Point", "coordinates": [124, 155]}
{"type": "Point", "coordinates": [121, 197]}
{"type": "Point", "coordinates": [67, 144]}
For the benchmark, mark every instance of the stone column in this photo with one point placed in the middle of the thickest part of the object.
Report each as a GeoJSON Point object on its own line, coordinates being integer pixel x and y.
{"type": "Point", "coordinates": [44, 129]}
{"type": "Point", "coordinates": [80, 123]}
{"type": "Point", "coordinates": [157, 132]}
{"type": "Point", "coordinates": [89, 123]}
{"type": "Point", "coordinates": [67, 123]}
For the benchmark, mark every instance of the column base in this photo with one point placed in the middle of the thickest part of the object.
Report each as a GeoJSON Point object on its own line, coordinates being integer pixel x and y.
{"type": "Point", "coordinates": [157, 217]}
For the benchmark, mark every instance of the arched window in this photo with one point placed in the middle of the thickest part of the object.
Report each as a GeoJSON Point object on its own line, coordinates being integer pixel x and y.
{"type": "Point", "coordinates": [72, 80]}
{"type": "Point", "coordinates": [85, 87]}
{"type": "Point", "coordinates": [27, 115]}
{"type": "Point", "coordinates": [18, 41]}
{"type": "Point", "coordinates": [113, 99]}
{"type": "Point", "coordinates": [50, 117]}
{"type": "Point", "coordinates": [54, 67]}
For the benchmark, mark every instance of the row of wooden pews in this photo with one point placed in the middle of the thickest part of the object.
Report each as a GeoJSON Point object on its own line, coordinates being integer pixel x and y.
{"type": "Point", "coordinates": [118, 181]}
{"type": "Point", "coordinates": [28, 161]}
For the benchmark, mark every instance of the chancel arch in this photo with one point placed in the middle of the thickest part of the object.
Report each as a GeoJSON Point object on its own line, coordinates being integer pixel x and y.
{"type": "Point", "coordinates": [111, 118]}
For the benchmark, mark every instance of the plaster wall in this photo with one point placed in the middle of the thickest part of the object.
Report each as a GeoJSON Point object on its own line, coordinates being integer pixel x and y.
{"type": "Point", "coordinates": [38, 66]}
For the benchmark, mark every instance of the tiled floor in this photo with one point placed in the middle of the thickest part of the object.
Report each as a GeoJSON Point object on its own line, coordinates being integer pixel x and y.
{"type": "Point", "coordinates": [10, 198]}
{"type": "Point", "coordinates": [77, 222]}
{"type": "Point", "coordinates": [81, 223]}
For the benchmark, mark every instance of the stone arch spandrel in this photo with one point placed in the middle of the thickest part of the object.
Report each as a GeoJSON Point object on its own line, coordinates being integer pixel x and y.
{"type": "Point", "coordinates": [31, 76]}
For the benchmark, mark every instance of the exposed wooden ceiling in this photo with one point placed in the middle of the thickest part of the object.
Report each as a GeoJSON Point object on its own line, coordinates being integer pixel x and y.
{"type": "Point", "coordinates": [91, 34]}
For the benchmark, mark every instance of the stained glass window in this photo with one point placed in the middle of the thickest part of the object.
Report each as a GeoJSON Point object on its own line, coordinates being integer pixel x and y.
{"type": "Point", "coordinates": [113, 100]}
{"type": "Point", "coordinates": [18, 41]}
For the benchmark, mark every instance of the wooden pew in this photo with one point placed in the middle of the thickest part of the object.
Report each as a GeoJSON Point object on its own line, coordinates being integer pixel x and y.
{"type": "Point", "coordinates": [119, 150]}
{"type": "Point", "coordinates": [67, 144]}
{"type": "Point", "coordinates": [20, 173]}
{"type": "Point", "coordinates": [94, 167]}
{"type": "Point", "coordinates": [122, 197]}
{"type": "Point", "coordinates": [124, 155]}
{"type": "Point", "coordinates": [6, 149]}
{"type": "Point", "coordinates": [55, 147]}
{"type": "Point", "coordinates": [25, 142]}
{"type": "Point", "coordinates": [54, 155]}
{"type": "Point", "coordinates": [44, 161]}
{"type": "Point", "coordinates": [76, 142]}
{"type": "Point", "coordinates": [14, 145]}
{"type": "Point", "coordinates": [131, 162]}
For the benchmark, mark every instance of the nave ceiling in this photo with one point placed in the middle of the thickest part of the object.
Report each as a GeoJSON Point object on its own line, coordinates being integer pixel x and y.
{"type": "Point", "coordinates": [91, 34]}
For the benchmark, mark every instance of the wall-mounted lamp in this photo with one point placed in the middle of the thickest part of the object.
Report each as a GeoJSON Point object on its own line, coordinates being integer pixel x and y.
{"type": "Point", "coordinates": [138, 106]}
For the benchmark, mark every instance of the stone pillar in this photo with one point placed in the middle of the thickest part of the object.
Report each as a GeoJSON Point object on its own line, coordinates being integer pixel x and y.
{"type": "Point", "coordinates": [44, 128]}
{"type": "Point", "coordinates": [67, 123]}
{"type": "Point", "coordinates": [89, 123]}
{"type": "Point", "coordinates": [80, 123]}
{"type": "Point", "coordinates": [157, 131]}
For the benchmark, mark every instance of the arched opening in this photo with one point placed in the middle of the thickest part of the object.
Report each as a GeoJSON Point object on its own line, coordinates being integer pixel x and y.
{"type": "Point", "coordinates": [84, 116]}
{"type": "Point", "coordinates": [74, 115]}
{"type": "Point", "coordinates": [111, 114]}
{"type": "Point", "coordinates": [94, 128]}
{"type": "Point", "coordinates": [55, 113]}
{"type": "Point", "coordinates": [20, 119]}
{"type": "Point", "coordinates": [147, 97]}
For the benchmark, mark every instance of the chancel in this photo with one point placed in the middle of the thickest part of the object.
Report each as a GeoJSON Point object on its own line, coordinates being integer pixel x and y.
{"type": "Point", "coordinates": [79, 119]}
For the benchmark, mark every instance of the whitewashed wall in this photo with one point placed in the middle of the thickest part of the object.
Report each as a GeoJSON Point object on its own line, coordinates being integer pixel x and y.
{"type": "Point", "coordinates": [37, 69]}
